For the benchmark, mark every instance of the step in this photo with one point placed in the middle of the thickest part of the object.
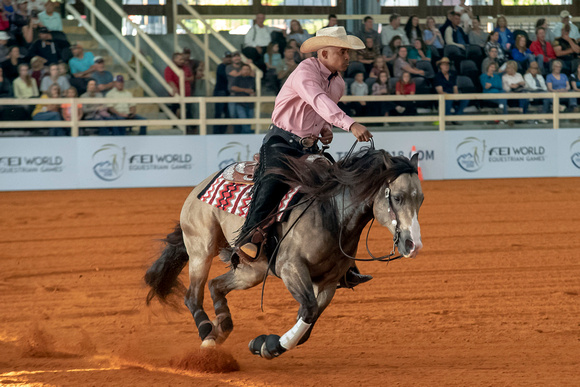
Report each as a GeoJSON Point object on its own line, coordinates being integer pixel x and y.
{"type": "Point", "coordinates": [73, 30]}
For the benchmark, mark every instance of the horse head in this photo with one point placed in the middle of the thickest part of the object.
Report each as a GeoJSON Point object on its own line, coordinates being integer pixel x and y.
{"type": "Point", "coordinates": [396, 206]}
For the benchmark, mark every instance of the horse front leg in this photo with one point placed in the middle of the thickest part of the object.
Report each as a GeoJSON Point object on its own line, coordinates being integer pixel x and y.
{"type": "Point", "coordinates": [323, 299]}
{"type": "Point", "coordinates": [296, 277]}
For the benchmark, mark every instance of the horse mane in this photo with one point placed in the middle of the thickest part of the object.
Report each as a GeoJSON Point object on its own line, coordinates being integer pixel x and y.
{"type": "Point", "coordinates": [363, 173]}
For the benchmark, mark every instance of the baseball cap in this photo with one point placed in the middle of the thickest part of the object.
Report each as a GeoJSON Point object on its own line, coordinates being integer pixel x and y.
{"type": "Point", "coordinates": [119, 78]}
{"type": "Point", "coordinates": [43, 30]}
{"type": "Point", "coordinates": [99, 59]}
{"type": "Point", "coordinates": [227, 53]}
{"type": "Point", "coordinates": [4, 35]}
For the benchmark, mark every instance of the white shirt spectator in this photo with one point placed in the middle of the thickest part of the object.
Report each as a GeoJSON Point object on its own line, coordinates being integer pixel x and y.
{"type": "Point", "coordinates": [121, 107]}
{"type": "Point", "coordinates": [508, 80]}
{"type": "Point", "coordinates": [389, 32]}
{"type": "Point", "coordinates": [574, 34]}
{"type": "Point", "coordinates": [258, 37]}
{"type": "Point", "coordinates": [532, 85]}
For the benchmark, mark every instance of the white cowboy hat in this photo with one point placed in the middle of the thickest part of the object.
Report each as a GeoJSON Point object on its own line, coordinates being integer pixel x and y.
{"type": "Point", "coordinates": [332, 37]}
{"type": "Point", "coordinates": [564, 14]}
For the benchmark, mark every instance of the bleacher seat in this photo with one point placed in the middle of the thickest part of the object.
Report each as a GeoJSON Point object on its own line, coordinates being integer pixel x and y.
{"type": "Point", "coordinates": [468, 67]}
{"type": "Point", "coordinates": [354, 68]}
{"type": "Point", "coordinates": [466, 86]}
{"type": "Point", "coordinates": [347, 83]}
{"type": "Point", "coordinates": [393, 85]}
{"type": "Point", "coordinates": [451, 51]}
{"type": "Point", "coordinates": [370, 82]}
{"type": "Point", "coordinates": [426, 66]}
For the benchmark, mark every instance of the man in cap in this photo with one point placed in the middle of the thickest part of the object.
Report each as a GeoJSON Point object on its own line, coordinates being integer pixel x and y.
{"type": "Point", "coordinates": [566, 19]}
{"type": "Point", "coordinates": [304, 113]}
{"type": "Point", "coordinates": [46, 47]}
{"type": "Point", "coordinates": [82, 66]}
{"type": "Point", "coordinates": [103, 77]}
{"type": "Point", "coordinates": [124, 110]}
{"type": "Point", "coordinates": [221, 90]}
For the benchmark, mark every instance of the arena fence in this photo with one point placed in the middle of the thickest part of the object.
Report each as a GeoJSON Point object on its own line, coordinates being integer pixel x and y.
{"type": "Point", "coordinates": [261, 124]}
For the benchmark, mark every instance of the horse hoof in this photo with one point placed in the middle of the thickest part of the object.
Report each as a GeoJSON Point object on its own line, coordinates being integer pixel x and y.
{"type": "Point", "coordinates": [208, 343]}
{"type": "Point", "coordinates": [271, 347]}
{"type": "Point", "coordinates": [255, 345]}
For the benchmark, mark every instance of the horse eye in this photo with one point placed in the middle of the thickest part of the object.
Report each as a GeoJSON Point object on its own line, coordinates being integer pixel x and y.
{"type": "Point", "coordinates": [397, 199]}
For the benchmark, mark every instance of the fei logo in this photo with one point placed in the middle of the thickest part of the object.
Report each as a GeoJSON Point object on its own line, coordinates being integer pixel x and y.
{"type": "Point", "coordinates": [575, 149]}
{"type": "Point", "coordinates": [233, 152]}
{"type": "Point", "coordinates": [109, 162]}
{"type": "Point", "coordinates": [471, 153]}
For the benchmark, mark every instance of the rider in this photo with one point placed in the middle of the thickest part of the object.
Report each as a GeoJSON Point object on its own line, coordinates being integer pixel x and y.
{"type": "Point", "coordinates": [304, 112]}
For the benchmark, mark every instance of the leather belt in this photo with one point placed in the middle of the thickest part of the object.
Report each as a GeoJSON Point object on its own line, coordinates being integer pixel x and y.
{"type": "Point", "coordinates": [307, 143]}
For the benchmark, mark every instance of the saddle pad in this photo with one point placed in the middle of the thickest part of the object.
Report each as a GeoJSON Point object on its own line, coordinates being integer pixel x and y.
{"type": "Point", "coordinates": [235, 198]}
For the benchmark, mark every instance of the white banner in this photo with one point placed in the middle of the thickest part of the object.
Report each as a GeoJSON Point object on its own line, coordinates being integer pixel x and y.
{"type": "Point", "coordinates": [38, 163]}
{"type": "Point", "coordinates": [481, 154]}
{"type": "Point", "coordinates": [155, 161]}
{"type": "Point", "coordinates": [568, 152]}
{"type": "Point", "coordinates": [222, 150]}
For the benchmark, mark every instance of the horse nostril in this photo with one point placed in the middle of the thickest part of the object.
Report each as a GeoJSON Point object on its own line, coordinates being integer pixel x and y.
{"type": "Point", "coordinates": [410, 245]}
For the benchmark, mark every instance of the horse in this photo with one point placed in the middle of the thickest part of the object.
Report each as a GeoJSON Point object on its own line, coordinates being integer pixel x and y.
{"type": "Point", "coordinates": [319, 239]}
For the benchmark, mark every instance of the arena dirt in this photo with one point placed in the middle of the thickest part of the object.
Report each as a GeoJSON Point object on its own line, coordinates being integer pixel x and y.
{"type": "Point", "coordinates": [493, 298]}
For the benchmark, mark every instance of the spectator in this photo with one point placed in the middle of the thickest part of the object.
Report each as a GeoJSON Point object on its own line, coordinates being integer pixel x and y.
{"type": "Point", "coordinates": [566, 20]}
{"type": "Point", "coordinates": [454, 34]}
{"type": "Point", "coordinates": [557, 82]}
{"type": "Point", "coordinates": [566, 48]}
{"type": "Point", "coordinates": [8, 6]}
{"type": "Point", "coordinates": [35, 7]}
{"type": "Point", "coordinates": [443, 28]}
{"type": "Point", "coordinates": [402, 64]}
{"type": "Point", "coordinates": [491, 82]}
{"type": "Point", "coordinates": [66, 108]}
{"type": "Point", "coordinates": [575, 79]}
{"type": "Point", "coordinates": [103, 77]}
{"type": "Point", "coordinates": [286, 66]}
{"type": "Point", "coordinates": [368, 55]}
{"type": "Point", "coordinates": [50, 19]}
{"type": "Point", "coordinates": [298, 56]}
{"type": "Point", "coordinates": [392, 30]}
{"type": "Point", "coordinates": [477, 36]}
{"type": "Point", "coordinates": [256, 41]}
{"type": "Point", "coordinates": [10, 65]}
{"type": "Point", "coordinates": [412, 30]}
{"type": "Point", "coordinates": [21, 24]}
{"type": "Point", "coordinates": [297, 32]}
{"type": "Point", "coordinates": [5, 92]}
{"type": "Point", "coordinates": [541, 46]}
{"type": "Point", "coordinates": [405, 86]}
{"type": "Point", "coordinates": [493, 41]}
{"type": "Point", "coordinates": [446, 83]}
{"type": "Point", "coordinates": [244, 85]}
{"type": "Point", "coordinates": [24, 85]}
{"type": "Point", "coordinates": [332, 21]}
{"type": "Point", "coordinates": [535, 84]}
{"type": "Point", "coordinates": [550, 37]}
{"type": "Point", "coordinates": [369, 32]}
{"type": "Point", "coordinates": [390, 51]}
{"type": "Point", "coordinates": [38, 69]}
{"type": "Point", "coordinates": [50, 112]}
{"type": "Point", "coordinates": [46, 47]}
{"type": "Point", "coordinates": [419, 52]}
{"type": "Point", "coordinates": [63, 70]}
{"type": "Point", "coordinates": [173, 79]}
{"type": "Point", "coordinates": [4, 20]}
{"type": "Point", "coordinates": [4, 37]}
{"type": "Point", "coordinates": [492, 58]}
{"type": "Point", "coordinates": [522, 54]}
{"type": "Point", "coordinates": [221, 90]}
{"type": "Point", "coordinates": [379, 66]}
{"type": "Point", "coordinates": [234, 70]}
{"type": "Point", "coordinates": [465, 13]}
{"type": "Point", "coordinates": [97, 112]}
{"type": "Point", "coordinates": [124, 110]}
{"type": "Point", "coordinates": [360, 89]}
{"type": "Point", "coordinates": [513, 82]}
{"type": "Point", "coordinates": [52, 78]}
{"type": "Point", "coordinates": [381, 87]}
{"type": "Point", "coordinates": [82, 65]}
{"type": "Point", "coordinates": [506, 38]}
{"type": "Point", "coordinates": [272, 56]}
{"type": "Point", "coordinates": [432, 36]}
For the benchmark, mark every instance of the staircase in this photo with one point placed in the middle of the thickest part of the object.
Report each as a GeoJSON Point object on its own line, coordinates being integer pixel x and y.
{"type": "Point", "coordinates": [76, 33]}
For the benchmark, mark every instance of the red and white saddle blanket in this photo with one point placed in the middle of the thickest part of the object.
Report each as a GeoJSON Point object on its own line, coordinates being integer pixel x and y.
{"type": "Point", "coordinates": [235, 198]}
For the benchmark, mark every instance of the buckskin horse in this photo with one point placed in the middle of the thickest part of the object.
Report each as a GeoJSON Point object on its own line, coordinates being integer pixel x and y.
{"type": "Point", "coordinates": [319, 240]}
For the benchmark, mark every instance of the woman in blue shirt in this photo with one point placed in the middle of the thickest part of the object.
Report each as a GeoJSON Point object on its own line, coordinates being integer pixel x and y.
{"type": "Point", "coordinates": [558, 83]}
{"type": "Point", "coordinates": [491, 82]}
{"type": "Point", "coordinates": [419, 51]}
{"type": "Point", "coordinates": [506, 38]}
{"type": "Point", "coordinates": [522, 54]}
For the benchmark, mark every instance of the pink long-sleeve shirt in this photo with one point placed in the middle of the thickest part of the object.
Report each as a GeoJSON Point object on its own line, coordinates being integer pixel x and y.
{"type": "Point", "coordinates": [308, 101]}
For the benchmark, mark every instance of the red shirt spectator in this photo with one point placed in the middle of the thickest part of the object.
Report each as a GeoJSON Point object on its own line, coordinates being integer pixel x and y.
{"type": "Point", "coordinates": [4, 22]}
{"type": "Point", "coordinates": [173, 79]}
{"type": "Point", "coordinates": [547, 50]}
{"type": "Point", "coordinates": [406, 89]}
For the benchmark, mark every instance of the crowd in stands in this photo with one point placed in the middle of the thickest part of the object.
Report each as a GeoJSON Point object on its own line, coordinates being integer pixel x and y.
{"type": "Point", "coordinates": [404, 59]}
{"type": "Point", "coordinates": [37, 61]}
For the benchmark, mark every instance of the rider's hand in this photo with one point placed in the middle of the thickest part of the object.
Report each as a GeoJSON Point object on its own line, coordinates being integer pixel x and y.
{"type": "Point", "coordinates": [360, 132]}
{"type": "Point", "coordinates": [326, 135]}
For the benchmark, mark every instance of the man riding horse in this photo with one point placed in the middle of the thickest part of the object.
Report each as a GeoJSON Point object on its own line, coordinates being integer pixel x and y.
{"type": "Point", "coordinates": [304, 113]}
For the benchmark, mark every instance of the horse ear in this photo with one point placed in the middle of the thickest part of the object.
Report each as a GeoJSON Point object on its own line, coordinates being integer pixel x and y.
{"type": "Point", "coordinates": [415, 160]}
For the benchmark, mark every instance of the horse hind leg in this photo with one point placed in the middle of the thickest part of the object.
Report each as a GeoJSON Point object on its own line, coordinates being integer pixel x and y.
{"type": "Point", "coordinates": [243, 277]}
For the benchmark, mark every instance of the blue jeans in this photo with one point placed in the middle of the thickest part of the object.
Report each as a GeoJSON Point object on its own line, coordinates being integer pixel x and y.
{"type": "Point", "coordinates": [142, 129]}
{"type": "Point", "coordinates": [51, 116]}
{"type": "Point", "coordinates": [243, 111]}
{"type": "Point", "coordinates": [459, 106]}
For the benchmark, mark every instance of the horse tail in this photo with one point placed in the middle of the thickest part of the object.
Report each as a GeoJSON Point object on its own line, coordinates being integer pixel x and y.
{"type": "Point", "coordinates": [163, 275]}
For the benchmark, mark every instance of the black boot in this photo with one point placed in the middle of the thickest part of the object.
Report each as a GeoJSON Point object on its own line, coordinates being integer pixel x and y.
{"type": "Point", "coordinates": [352, 278]}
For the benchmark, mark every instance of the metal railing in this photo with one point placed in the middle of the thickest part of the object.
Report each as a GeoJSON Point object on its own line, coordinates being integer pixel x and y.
{"type": "Point", "coordinates": [204, 121]}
